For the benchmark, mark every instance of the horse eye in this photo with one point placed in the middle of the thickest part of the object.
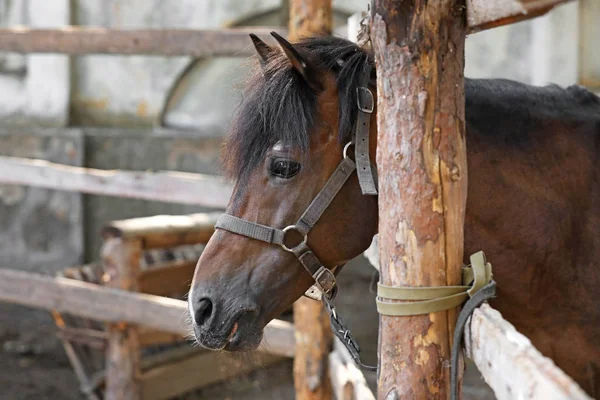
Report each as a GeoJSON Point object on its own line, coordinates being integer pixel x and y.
{"type": "Point", "coordinates": [283, 168]}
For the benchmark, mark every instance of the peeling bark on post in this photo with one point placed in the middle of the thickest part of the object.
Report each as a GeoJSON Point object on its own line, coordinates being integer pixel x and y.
{"type": "Point", "coordinates": [421, 157]}
{"type": "Point", "coordinates": [314, 339]}
{"type": "Point", "coordinates": [121, 258]}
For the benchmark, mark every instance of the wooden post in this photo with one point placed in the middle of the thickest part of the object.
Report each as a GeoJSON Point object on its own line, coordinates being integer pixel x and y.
{"type": "Point", "coordinates": [310, 17]}
{"type": "Point", "coordinates": [421, 160]}
{"type": "Point", "coordinates": [314, 339]}
{"type": "Point", "coordinates": [121, 258]}
{"type": "Point", "coordinates": [589, 33]}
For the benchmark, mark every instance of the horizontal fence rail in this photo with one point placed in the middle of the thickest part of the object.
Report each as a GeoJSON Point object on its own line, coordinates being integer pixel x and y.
{"type": "Point", "coordinates": [488, 14]}
{"type": "Point", "coordinates": [100, 303]}
{"type": "Point", "coordinates": [166, 186]}
{"type": "Point", "coordinates": [511, 365]}
{"type": "Point", "coordinates": [80, 40]}
{"type": "Point", "coordinates": [76, 40]}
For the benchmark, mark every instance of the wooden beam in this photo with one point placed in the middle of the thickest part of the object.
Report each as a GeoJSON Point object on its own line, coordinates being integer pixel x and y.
{"type": "Point", "coordinates": [167, 186]}
{"type": "Point", "coordinates": [89, 337]}
{"type": "Point", "coordinates": [77, 40]}
{"type": "Point", "coordinates": [151, 337]}
{"type": "Point", "coordinates": [85, 384]}
{"type": "Point", "coordinates": [488, 14]}
{"type": "Point", "coordinates": [121, 260]}
{"type": "Point", "coordinates": [314, 337]}
{"type": "Point", "coordinates": [170, 280]}
{"type": "Point", "coordinates": [181, 376]}
{"type": "Point", "coordinates": [100, 303]}
{"type": "Point", "coordinates": [160, 231]}
{"type": "Point", "coordinates": [511, 365]}
{"type": "Point", "coordinates": [421, 159]}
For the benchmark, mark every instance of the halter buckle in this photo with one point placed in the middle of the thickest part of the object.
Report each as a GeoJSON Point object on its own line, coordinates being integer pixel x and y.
{"type": "Point", "coordinates": [325, 281]}
{"type": "Point", "coordinates": [365, 101]}
{"type": "Point", "coordinates": [346, 147]}
{"type": "Point", "coordinates": [299, 245]}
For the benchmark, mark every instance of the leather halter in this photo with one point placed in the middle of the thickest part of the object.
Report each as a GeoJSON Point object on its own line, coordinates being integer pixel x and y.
{"type": "Point", "coordinates": [325, 287]}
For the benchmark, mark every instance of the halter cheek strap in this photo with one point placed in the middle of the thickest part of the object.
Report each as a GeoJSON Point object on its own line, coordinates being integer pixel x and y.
{"type": "Point", "coordinates": [367, 175]}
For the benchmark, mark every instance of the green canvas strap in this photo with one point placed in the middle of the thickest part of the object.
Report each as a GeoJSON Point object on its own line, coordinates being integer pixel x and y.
{"type": "Point", "coordinates": [425, 300]}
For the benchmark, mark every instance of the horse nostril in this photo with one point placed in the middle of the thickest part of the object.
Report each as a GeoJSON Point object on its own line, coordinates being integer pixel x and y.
{"type": "Point", "coordinates": [203, 311]}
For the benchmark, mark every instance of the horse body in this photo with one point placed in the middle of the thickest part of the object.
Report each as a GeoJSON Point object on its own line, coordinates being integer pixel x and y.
{"type": "Point", "coordinates": [533, 203]}
{"type": "Point", "coordinates": [533, 206]}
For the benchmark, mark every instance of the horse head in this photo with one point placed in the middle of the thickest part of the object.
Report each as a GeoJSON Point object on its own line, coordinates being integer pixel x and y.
{"type": "Point", "coordinates": [293, 134]}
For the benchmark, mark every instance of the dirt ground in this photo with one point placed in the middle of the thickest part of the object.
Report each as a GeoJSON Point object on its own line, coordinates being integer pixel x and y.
{"type": "Point", "coordinates": [33, 364]}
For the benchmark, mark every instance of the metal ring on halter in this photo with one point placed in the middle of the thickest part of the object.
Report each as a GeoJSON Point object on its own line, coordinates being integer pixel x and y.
{"type": "Point", "coordinates": [346, 147]}
{"type": "Point", "coordinates": [285, 230]}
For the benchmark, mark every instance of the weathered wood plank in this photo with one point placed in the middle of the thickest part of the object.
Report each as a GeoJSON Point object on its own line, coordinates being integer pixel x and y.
{"type": "Point", "coordinates": [511, 365]}
{"type": "Point", "coordinates": [77, 40]}
{"type": "Point", "coordinates": [167, 186]}
{"type": "Point", "coordinates": [150, 337]}
{"type": "Point", "coordinates": [421, 158]}
{"type": "Point", "coordinates": [173, 278]}
{"type": "Point", "coordinates": [488, 14]}
{"type": "Point", "coordinates": [160, 231]}
{"type": "Point", "coordinates": [113, 305]}
{"type": "Point", "coordinates": [181, 376]}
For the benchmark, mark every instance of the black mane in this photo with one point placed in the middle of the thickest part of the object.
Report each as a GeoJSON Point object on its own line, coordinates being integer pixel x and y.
{"type": "Point", "coordinates": [280, 106]}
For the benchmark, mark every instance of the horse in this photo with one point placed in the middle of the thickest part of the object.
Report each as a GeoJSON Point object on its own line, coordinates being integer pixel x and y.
{"type": "Point", "coordinates": [533, 201]}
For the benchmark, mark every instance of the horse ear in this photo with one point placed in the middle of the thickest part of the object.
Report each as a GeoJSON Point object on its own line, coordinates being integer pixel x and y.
{"type": "Point", "coordinates": [301, 65]}
{"type": "Point", "coordinates": [263, 49]}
